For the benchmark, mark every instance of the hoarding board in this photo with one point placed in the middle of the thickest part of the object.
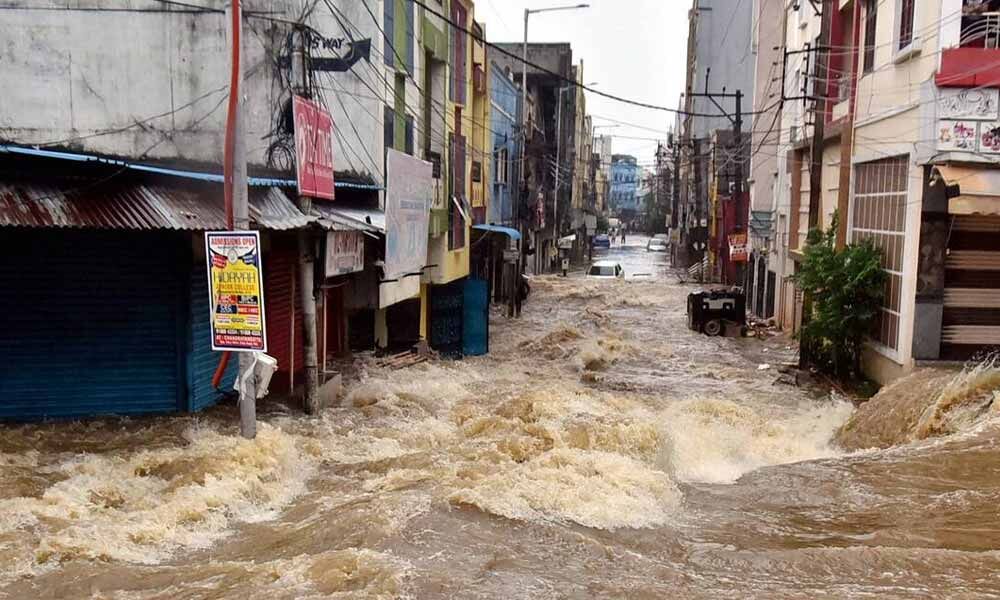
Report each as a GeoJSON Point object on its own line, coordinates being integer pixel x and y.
{"type": "Point", "coordinates": [345, 252]}
{"type": "Point", "coordinates": [235, 291]}
{"type": "Point", "coordinates": [313, 148]}
{"type": "Point", "coordinates": [738, 251]}
{"type": "Point", "coordinates": [408, 197]}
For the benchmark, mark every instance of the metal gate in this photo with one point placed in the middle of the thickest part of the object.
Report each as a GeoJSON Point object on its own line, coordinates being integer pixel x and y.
{"type": "Point", "coordinates": [446, 318]}
{"type": "Point", "coordinates": [476, 321]}
{"type": "Point", "coordinates": [92, 323]}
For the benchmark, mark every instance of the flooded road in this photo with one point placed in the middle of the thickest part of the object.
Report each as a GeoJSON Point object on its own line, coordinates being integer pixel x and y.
{"type": "Point", "coordinates": [601, 450]}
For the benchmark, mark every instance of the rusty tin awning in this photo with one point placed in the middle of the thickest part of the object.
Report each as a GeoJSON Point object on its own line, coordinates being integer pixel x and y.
{"type": "Point", "coordinates": [137, 207]}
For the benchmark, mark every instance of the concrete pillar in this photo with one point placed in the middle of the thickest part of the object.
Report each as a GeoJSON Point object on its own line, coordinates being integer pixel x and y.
{"type": "Point", "coordinates": [425, 306]}
{"type": "Point", "coordinates": [381, 329]}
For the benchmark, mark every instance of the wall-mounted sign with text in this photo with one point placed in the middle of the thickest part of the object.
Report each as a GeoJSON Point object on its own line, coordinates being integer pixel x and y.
{"type": "Point", "coordinates": [236, 290]}
{"type": "Point", "coordinates": [313, 148]}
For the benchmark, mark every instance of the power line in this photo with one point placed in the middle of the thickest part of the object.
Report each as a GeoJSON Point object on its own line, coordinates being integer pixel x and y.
{"type": "Point", "coordinates": [560, 77]}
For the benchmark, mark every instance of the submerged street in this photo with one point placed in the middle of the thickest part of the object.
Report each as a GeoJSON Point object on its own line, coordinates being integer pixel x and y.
{"type": "Point", "coordinates": [601, 450]}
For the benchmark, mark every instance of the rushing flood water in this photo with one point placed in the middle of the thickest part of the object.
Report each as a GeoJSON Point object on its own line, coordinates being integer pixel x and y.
{"type": "Point", "coordinates": [601, 450]}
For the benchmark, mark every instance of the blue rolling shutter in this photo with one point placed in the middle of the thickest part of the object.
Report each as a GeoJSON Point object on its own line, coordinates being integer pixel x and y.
{"type": "Point", "coordinates": [446, 318]}
{"type": "Point", "coordinates": [201, 360]}
{"type": "Point", "coordinates": [90, 324]}
{"type": "Point", "coordinates": [476, 318]}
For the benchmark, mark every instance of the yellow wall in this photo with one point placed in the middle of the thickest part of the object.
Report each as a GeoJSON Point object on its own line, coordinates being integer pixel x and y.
{"type": "Point", "coordinates": [454, 264]}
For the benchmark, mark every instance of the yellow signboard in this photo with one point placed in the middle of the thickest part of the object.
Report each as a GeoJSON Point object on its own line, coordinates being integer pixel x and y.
{"type": "Point", "coordinates": [236, 290]}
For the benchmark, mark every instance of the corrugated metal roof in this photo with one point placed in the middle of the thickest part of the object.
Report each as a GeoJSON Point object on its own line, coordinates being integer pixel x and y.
{"type": "Point", "coordinates": [271, 209]}
{"type": "Point", "coordinates": [335, 216]}
{"type": "Point", "coordinates": [136, 207]}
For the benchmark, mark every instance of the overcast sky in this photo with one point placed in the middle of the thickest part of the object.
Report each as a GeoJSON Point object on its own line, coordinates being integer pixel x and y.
{"type": "Point", "coordinates": [630, 48]}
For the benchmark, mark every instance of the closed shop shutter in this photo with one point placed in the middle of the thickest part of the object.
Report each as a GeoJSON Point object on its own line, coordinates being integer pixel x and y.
{"type": "Point", "coordinates": [90, 323]}
{"type": "Point", "coordinates": [280, 293]}
{"type": "Point", "coordinates": [446, 318]}
{"type": "Point", "coordinates": [202, 360]}
{"type": "Point", "coordinates": [971, 320]}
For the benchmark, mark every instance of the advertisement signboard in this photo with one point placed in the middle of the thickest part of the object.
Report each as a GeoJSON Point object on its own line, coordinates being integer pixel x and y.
{"type": "Point", "coordinates": [313, 148]}
{"type": "Point", "coordinates": [235, 291]}
{"type": "Point", "coordinates": [408, 197]}
{"type": "Point", "coordinates": [345, 252]}
{"type": "Point", "coordinates": [738, 251]}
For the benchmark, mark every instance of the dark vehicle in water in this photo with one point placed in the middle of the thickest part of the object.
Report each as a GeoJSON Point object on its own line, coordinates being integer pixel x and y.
{"type": "Point", "coordinates": [601, 241]}
{"type": "Point", "coordinates": [710, 312]}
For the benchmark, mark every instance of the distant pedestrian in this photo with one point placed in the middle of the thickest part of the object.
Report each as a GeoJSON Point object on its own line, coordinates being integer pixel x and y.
{"type": "Point", "coordinates": [623, 236]}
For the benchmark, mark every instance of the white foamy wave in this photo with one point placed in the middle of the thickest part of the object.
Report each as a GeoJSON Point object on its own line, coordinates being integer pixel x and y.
{"type": "Point", "coordinates": [717, 441]}
{"type": "Point", "coordinates": [595, 489]}
{"type": "Point", "coordinates": [142, 507]}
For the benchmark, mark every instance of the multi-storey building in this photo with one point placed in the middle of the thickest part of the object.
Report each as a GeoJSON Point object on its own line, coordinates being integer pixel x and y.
{"type": "Point", "coordinates": [623, 199]}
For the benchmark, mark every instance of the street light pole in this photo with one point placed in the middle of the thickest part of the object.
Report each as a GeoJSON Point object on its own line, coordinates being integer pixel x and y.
{"type": "Point", "coordinates": [524, 83]}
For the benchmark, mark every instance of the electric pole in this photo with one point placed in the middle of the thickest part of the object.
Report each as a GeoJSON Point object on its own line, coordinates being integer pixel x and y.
{"type": "Point", "coordinates": [238, 208]}
{"type": "Point", "coordinates": [820, 91]}
{"type": "Point", "coordinates": [307, 287]}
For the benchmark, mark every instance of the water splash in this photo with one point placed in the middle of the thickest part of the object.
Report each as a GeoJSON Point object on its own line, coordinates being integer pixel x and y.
{"type": "Point", "coordinates": [595, 489]}
{"type": "Point", "coordinates": [717, 441]}
{"type": "Point", "coordinates": [144, 506]}
{"type": "Point", "coordinates": [927, 403]}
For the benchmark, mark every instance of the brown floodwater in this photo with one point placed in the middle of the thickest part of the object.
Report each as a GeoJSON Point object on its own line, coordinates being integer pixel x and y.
{"type": "Point", "coordinates": [601, 450]}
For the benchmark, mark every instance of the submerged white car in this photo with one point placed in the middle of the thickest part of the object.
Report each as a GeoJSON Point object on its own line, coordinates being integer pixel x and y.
{"type": "Point", "coordinates": [606, 269]}
{"type": "Point", "coordinates": [657, 245]}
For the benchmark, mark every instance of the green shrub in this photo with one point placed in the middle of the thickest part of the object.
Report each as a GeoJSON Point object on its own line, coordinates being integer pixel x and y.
{"type": "Point", "coordinates": [846, 287]}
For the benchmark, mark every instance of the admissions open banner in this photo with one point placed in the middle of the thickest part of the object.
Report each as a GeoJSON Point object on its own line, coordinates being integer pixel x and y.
{"type": "Point", "coordinates": [236, 290]}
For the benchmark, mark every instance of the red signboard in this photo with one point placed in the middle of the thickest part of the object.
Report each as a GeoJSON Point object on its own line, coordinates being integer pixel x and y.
{"type": "Point", "coordinates": [313, 148]}
{"type": "Point", "coordinates": [738, 251]}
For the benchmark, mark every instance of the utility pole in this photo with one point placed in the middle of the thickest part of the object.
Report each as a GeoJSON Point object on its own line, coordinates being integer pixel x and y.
{"type": "Point", "coordinates": [737, 121]}
{"type": "Point", "coordinates": [307, 287]}
{"type": "Point", "coordinates": [820, 91]}
{"type": "Point", "coordinates": [697, 204]}
{"type": "Point", "coordinates": [555, 202]}
{"type": "Point", "coordinates": [524, 120]}
{"type": "Point", "coordinates": [238, 208]}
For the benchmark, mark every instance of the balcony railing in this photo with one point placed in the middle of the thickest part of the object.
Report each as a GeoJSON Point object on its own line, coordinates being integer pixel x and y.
{"type": "Point", "coordinates": [981, 31]}
{"type": "Point", "coordinates": [976, 60]}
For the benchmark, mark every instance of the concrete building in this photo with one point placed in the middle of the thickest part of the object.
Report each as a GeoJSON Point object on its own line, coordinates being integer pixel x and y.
{"type": "Point", "coordinates": [722, 55]}
{"type": "Point", "coordinates": [625, 178]}
{"type": "Point", "coordinates": [934, 211]}
{"type": "Point", "coordinates": [549, 134]}
{"type": "Point", "coordinates": [602, 178]}
{"type": "Point", "coordinates": [505, 121]}
{"type": "Point", "coordinates": [767, 48]}
{"type": "Point", "coordinates": [720, 43]}
{"type": "Point", "coordinates": [154, 103]}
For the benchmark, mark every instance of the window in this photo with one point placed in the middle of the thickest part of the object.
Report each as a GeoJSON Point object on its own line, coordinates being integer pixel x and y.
{"type": "Point", "coordinates": [459, 48]}
{"type": "Point", "coordinates": [399, 103]}
{"type": "Point", "coordinates": [389, 126]}
{"type": "Point", "coordinates": [410, 46]}
{"type": "Point", "coordinates": [389, 29]}
{"type": "Point", "coordinates": [905, 23]}
{"type": "Point", "coordinates": [871, 16]}
{"type": "Point", "coordinates": [500, 166]}
{"type": "Point", "coordinates": [878, 213]}
{"type": "Point", "coordinates": [456, 222]}
{"type": "Point", "coordinates": [409, 135]}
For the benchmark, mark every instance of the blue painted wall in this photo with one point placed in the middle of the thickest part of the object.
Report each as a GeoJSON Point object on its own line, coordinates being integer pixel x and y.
{"type": "Point", "coordinates": [505, 102]}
